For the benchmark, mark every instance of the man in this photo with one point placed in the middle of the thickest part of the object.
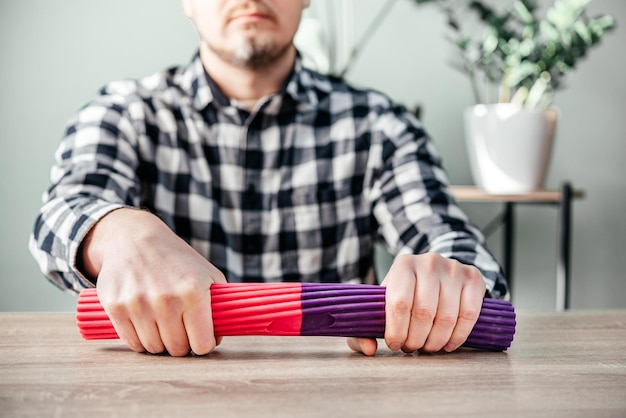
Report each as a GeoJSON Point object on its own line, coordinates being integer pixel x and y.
{"type": "Point", "coordinates": [244, 166]}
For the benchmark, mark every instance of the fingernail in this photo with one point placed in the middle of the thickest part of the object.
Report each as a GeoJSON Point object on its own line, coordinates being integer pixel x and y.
{"type": "Point", "coordinates": [395, 346]}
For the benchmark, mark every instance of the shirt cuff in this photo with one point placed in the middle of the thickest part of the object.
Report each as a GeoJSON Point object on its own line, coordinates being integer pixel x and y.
{"type": "Point", "coordinates": [91, 215]}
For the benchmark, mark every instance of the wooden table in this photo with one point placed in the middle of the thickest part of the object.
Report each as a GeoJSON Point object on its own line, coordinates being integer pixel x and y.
{"type": "Point", "coordinates": [570, 364]}
{"type": "Point", "coordinates": [561, 199]}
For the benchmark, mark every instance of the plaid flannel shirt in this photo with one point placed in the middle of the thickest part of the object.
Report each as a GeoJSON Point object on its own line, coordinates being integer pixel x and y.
{"type": "Point", "coordinates": [299, 189]}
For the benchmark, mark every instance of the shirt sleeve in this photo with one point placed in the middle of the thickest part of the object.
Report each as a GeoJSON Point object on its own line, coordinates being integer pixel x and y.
{"type": "Point", "coordinates": [412, 204]}
{"type": "Point", "coordinates": [93, 174]}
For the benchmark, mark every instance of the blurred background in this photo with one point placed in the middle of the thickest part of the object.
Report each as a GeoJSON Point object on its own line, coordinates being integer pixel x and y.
{"type": "Point", "coordinates": [58, 53]}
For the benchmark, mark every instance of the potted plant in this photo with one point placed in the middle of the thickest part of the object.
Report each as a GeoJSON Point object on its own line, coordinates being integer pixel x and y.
{"type": "Point", "coordinates": [516, 63]}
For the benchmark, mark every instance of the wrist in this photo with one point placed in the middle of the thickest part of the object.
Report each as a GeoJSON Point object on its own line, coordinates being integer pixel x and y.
{"type": "Point", "coordinates": [103, 235]}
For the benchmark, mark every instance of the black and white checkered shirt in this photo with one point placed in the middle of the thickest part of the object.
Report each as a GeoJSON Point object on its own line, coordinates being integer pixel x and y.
{"type": "Point", "coordinates": [297, 190]}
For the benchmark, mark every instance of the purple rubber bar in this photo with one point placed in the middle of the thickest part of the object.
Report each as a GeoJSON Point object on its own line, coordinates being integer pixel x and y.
{"type": "Point", "coordinates": [349, 310]}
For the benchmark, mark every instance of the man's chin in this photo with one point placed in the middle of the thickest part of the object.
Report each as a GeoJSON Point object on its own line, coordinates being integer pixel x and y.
{"type": "Point", "coordinates": [254, 53]}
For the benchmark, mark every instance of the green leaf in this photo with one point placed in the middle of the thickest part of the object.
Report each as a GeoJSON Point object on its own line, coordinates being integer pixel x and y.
{"type": "Point", "coordinates": [566, 38]}
{"type": "Point", "coordinates": [527, 47]}
{"type": "Point", "coordinates": [524, 14]}
{"type": "Point", "coordinates": [522, 71]}
{"type": "Point", "coordinates": [527, 56]}
{"type": "Point", "coordinates": [490, 43]}
{"type": "Point", "coordinates": [539, 89]}
{"type": "Point", "coordinates": [601, 25]}
{"type": "Point", "coordinates": [583, 32]}
{"type": "Point", "coordinates": [549, 31]}
{"type": "Point", "coordinates": [555, 16]}
{"type": "Point", "coordinates": [563, 68]}
{"type": "Point", "coordinates": [463, 43]}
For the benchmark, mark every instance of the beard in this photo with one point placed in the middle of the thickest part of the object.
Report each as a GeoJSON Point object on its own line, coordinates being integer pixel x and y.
{"type": "Point", "coordinates": [252, 53]}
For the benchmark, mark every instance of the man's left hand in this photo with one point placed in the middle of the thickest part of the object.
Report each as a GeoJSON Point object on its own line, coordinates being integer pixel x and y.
{"type": "Point", "coordinates": [432, 304]}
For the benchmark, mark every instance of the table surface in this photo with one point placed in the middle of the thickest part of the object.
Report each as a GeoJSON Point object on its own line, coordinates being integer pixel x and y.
{"type": "Point", "coordinates": [570, 364]}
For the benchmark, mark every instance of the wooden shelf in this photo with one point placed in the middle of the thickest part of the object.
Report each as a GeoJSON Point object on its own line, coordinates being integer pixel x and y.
{"type": "Point", "coordinates": [476, 194]}
{"type": "Point", "coordinates": [562, 199]}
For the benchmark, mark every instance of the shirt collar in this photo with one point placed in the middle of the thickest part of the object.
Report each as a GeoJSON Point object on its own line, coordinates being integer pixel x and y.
{"type": "Point", "coordinates": [194, 80]}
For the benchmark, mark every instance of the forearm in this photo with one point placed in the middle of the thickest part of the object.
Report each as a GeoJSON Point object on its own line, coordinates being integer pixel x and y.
{"type": "Point", "coordinates": [445, 230]}
{"type": "Point", "coordinates": [94, 174]}
{"type": "Point", "coordinates": [417, 214]}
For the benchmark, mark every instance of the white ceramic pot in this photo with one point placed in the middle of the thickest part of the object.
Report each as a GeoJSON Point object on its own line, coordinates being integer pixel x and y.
{"type": "Point", "coordinates": [509, 147]}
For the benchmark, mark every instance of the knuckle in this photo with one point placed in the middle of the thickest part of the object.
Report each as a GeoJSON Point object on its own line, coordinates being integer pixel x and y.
{"type": "Point", "coordinates": [423, 314]}
{"type": "Point", "coordinates": [469, 314]}
{"type": "Point", "coordinates": [430, 262]}
{"type": "Point", "coordinates": [403, 259]}
{"type": "Point", "coordinates": [445, 321]}
{"type": "Point", "coordinates": [192, 293]}
{"type": "Point", "coordinates": [188, 290]}
{"type": "Point", "coordinates": [136, 303]}
{"type": "Point", "coordinates": [399, 307]}
{"type": "Point", "coordinates": [164, 302]}
{"type": "Point", "coordinates": [115, 309]}
{"type": "Point", "coordinates": [474, 277]}
{"type": "Point", "coordinates": [217, 276]}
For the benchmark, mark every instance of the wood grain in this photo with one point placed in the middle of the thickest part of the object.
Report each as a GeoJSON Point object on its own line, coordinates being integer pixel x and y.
{"type": "Point", "coordinates": [569, 364]}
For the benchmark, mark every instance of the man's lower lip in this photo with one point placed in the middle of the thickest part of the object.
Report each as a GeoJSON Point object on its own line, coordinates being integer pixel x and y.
{"type": "Point", "coordinates": [250, 18]}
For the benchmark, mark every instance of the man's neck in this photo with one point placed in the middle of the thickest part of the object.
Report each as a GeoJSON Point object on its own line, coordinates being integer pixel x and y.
{"type": "Point", "coordinates": [247, 86]}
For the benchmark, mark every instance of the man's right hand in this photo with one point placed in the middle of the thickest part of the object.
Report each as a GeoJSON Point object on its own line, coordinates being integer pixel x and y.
{"type": "Point", "coordinates": [152, 284]}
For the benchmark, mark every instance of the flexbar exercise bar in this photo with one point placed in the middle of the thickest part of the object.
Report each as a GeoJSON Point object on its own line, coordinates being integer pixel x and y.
{"type": "Point", "coordinates": [342, 310]}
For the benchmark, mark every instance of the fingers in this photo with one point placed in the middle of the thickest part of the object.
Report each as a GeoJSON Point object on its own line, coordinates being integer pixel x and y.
{"type": "Point", "coordinates": [145, 329]}
{"type": "Point", "coordinates": [432, 303]}
{"type": "Point", "coordinates": [126, 331]}
{"type": "Point", "coordinates": [423, 315]}
{"type": "Point", "coordinates": [403, 309]}
{"type": "Point", "coordinates": [170, 326]}
{"type": "Point", "coordinates": [411, 303]}
{"type": "Point", "coordinates": [165, 323]}
{"type": "Point", "coordinates": [198, 318]}
{"type": "Point", "coordinates": [469, 310]}
{"type": "Point", "coordinates": [198, 321]}
{"type": "Point", "coordinates": [445, 320]}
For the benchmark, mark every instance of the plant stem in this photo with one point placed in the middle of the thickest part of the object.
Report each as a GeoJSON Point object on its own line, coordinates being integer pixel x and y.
{"type": "Point", "coordinates": [380, 17]}
{"type": "Point", "coordinates": [504, 95]}
{"type": "Point", "coordinates": [472, 76]}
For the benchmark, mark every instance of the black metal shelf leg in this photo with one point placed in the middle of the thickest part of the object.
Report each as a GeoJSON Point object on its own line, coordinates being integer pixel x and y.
{"type": "Point", "coordinates": [508, 243]}
{"type": "Point", "coordinates": [564, 250]}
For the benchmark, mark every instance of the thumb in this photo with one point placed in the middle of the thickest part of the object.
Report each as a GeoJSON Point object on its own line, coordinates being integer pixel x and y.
{"type": "Point", "coordinates": [366, 346]}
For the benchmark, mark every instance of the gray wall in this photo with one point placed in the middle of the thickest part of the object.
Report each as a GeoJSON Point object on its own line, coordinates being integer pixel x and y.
{"type": "Point", "coordinates": [57, 53]}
